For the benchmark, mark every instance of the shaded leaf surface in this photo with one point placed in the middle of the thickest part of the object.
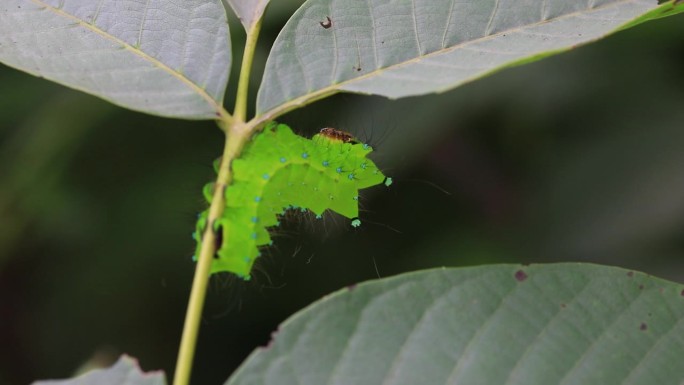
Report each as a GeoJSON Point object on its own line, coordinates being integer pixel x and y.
{"type": "Point", "coordinates": [413, 47]}
{"type": "Point", "coordinates": [125, 372]}
{"type": "Point", "coordinates": [248, 11]}
{"type": "Point", "coordinates": [169, 58]}
{"type": "Point", "coordinates": [505, 324]}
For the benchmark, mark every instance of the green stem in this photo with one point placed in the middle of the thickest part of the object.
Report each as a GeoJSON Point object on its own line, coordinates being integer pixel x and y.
{"type": "Point", "coordinates": [240, 113]}
{"type": "Point", "coordinates": [236, 137]}
{"type": "Point", "coordinates": [237, 134]}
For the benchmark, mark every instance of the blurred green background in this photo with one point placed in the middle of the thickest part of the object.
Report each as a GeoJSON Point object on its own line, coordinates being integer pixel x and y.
{"type": "Point", "coordinates": [576, 158]}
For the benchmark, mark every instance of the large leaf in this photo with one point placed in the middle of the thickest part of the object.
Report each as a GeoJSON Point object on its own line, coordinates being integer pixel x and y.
{"type": "Point", "coordinates": [411, 47]}
{"type": "Point", "coordinates": [543, 324]}
{"type": "Point", "coordinates": [124, 372]}
{"type": "Point", "coordinates": [169, 58]}
{"type": "Point", "coordinates": [248, 11]}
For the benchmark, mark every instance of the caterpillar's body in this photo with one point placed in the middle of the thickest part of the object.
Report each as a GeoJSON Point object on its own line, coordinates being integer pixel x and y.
{"type": "Point", "coordinates": [278, 171]}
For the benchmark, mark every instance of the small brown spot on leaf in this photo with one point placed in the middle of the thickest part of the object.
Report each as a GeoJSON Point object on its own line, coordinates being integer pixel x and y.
{"type": "Point", "coordinates": [520, 275]}
{"type": "Point", "coordinates": [563, 305]}
{"type": "Point", "coordinates": [641, 287]}
{"type": "Point", "coordinates": [327, 23]}
{"type": "Point", "coordinates": [643, 326]}
{"type": "Point", "coordinates": [682, 293]}
{"type": "Point", "coordinates": [630, 274]}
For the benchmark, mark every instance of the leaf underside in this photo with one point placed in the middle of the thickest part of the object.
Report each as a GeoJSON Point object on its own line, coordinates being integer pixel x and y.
{"type": "Point", "coordinates": [413, 47]}
{"type": "Point", "coordinates": [125, 372]}
{"type": "Point", "coordinates": [543, 324]}
{"type": "Point", "coordinates": [168, 58]}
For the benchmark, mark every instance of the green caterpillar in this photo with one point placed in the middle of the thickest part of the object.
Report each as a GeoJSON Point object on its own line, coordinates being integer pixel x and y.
{"type": "Point", "coordinates": [277, 171]}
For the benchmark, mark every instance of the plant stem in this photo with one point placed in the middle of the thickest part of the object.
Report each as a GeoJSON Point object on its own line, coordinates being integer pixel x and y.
{"type": "Point", "coordinates": [240, 113]}
{"type": "Point", "coordinates": [237, 134]}
{"type": "Point", "coordinates": [235, 141]}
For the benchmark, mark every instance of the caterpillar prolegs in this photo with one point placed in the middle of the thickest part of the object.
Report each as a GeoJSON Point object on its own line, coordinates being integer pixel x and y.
{"type": "Point", "coordinates": [278, 171]}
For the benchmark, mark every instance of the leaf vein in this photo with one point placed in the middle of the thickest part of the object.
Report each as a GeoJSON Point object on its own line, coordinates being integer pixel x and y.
{"type": "Point", "coordinates": [218, 108]}
{"type": "Point", "coordinates": [471, 342]}
{"type": "Point", "coordinates": [490, 23]}
{"type": "Point", "coordinates": [415, 27]}
{"type": "Point", "coordinates": [448, 23]}
{"type": "Point", "coordinates": [531, 345]}
{"type": "Point", "coordinates": [373, 32]}
{"type": "Point", "coordinates": [97, 12]}
{"type": "Point", "coordinates": [596, 340]}
{"type": "Point", "coordinates": [142, 24]}
{"type": "Point", "coordinates": [333, 70]}
{"type": "Point", "coordinates": [632, 373]}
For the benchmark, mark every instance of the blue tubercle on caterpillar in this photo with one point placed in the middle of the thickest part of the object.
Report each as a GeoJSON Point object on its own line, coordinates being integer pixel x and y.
{"type": "Point", "coordinates": [277, 171]}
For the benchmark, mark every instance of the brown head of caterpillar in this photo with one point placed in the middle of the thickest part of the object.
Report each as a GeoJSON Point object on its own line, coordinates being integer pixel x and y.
{"type": "Point", "coordinates": [338, 135]}
{"type": "Point", "coordinates": [341, 136]}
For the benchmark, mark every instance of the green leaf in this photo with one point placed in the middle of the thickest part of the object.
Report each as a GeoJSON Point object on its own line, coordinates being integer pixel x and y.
{"type": "Point", "coordinates": [248, 11]}
{"type": "Point", "coordinates": [414, 47]}
{"type": "Point", "coordinates": [542, 324]}
{"type": "Point", "coordinates": [168, 58]}
{"type": "Point", "coordinates": [125, 372]}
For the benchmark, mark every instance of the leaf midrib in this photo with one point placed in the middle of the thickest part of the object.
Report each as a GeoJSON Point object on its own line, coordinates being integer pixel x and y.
{"type": "Point", "coordinates": [332, 89]}
{"type": "Point", "coordinates": [178, 75]}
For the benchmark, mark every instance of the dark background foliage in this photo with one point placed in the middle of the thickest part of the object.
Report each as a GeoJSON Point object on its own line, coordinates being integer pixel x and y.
{"type": "Point", "coordinates": [575, 158]}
